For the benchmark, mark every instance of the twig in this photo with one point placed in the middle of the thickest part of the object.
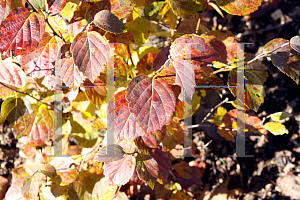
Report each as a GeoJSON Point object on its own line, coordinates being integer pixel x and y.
{"type": "Point", "coordinates": [201, 16]}
{"type": "Point", "coordinates": [25, 93]}
{"type": "Point", "coordinates": [212, 110]}
{"type": "Point", "coordinates": [46, 19]}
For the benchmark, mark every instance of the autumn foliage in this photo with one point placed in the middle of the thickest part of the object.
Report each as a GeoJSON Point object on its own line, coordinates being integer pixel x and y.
{"type": "Point", "coordinates": [58, 58]}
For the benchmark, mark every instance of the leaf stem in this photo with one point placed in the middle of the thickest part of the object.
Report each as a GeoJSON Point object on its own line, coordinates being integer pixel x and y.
{"type": "Point", "coordinates": [201, 16]}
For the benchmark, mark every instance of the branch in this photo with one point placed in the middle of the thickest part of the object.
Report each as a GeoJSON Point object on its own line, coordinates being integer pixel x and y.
{"type": "Point", "coordinates": [25, 93]}
{"type": "Point", "coordinates": [46, 19]}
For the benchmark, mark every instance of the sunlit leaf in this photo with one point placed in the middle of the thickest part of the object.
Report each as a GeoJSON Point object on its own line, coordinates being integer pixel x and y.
{"type": "Point", "coordinates": [109, 153]}
{"type": "Point", "coordinates": [12, 74]}
{"type": "Point", "coordinates": [95, 92]}
{"type": "Point", "coordinates": [119, 172]}
{"type": "Point", "coordinates": [144, 66]}
{"type": "Point", "coordinates": [187, 8]}
{"type": "Point", "coordinates": [63, 166]}
{"type": "Point", "coordinates": [70, 74]}
{"type": "Point", "coordinates": [166, 14]}
{"type": "Point", "coordinates": [11, 109]}
{"type": "Point", "coordinates": [255, 75]}
{"type": "Point", "coordinates": [37, 4]}
{"type": "Point", "coordinates": [125, 126]}
{"type": "Point", "coordinates": [152, 102]}
{"type": "Point", "coordinates": [21, 32]}
{"type": "Point", "coordinates": [140, 29]}
{"type": "Point", "coordinates": [90, 53]}
{"type": "Point", "coordinates": [295, 43]}
{"type": "Point", "coordinates": [252, 122]}
{"type": "Point", "coordinates": [276, 128]}
{"type": "Point", "coordinates": [55, 6]}
{"type": "Point", "coordinates": [68, 10]}
{"type": "Point", "coordinates": [42, 60]}
{"type": "Point", "coordinates": [109, 22]}
{"type": "Point", "coordinates": [31, 186]}
{"type": "Point", "coordinates": [284, 58]}
{"type": "Point", "coordinates": [103, 190]}
{"type": "Point", "coordinates": [15, 190]}
{"type": "Point", "coordinates": [121, 8]}
{"type": "Point", "coordinates": [280, 116]}
{"type": "Point", "coordinates": [239, 7]}
{"type": "Point", "coordinates": [4, 9]}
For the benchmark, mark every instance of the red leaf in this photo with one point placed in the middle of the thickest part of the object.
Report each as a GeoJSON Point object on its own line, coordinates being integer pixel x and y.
{"type": "Point", "coordinates": [125, 125]}
{"type": "Point", "coordinates": [119, 172]}
{"type": "Point", "coordinates": [90, 53]}
{"type": "Point", "coordinates": [41, 61]}
{"type": "Point", "coordinates": [182, 71]}
{"type": "Point", "coordinates": [12, 74]}
{"type": "Point", "coordinates": [70, 73]}
{"type": "Point", "coordinates": [21, 31]}
{"type": "Point", "coordinates": [55, 6]}
{"type": "Point", "coordinates": [152, 102]}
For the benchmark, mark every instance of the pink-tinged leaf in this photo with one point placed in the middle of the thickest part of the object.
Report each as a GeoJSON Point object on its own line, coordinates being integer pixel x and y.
{"type": "Point", "coordinates": [55, 6]}
{"type": "Point", "coordinates": [97, 7]}
{"type": "Point", "coordinates": [109, 153]}
{"type": "Point", "coordinates": [70, 73]}
{"type": "Point", "coordinates": [43, 126]}
{"type": "Point", "coordinates": [41, 61]}
{"type": "Point", "coordinates": [31, 186]}
{"type": "Point", "coordinates": [21, 32]}
{"type": "Point", "coordinates": [109, 22]}
{"type": "Point", "coordinates": [152, 102]}
{"type": "Point", "coordinates": [90, 53]}
{"type": "Point", "coordinates": [14, 192]}
{"type": "Point", "coordinates": [180, 71]}
{"type": "Point", "coordinates": [49, 81]}
{"type": "Point", "coordinates": [4, 9]}
{"type": "Point", "coordinates": [125, 125]}
{"type": "Point", "coordinates": [121, 8]}
{"type": "Point", "coordinates": [72, 94]}
{"type": "Point", "coordinates": [119, 172]}
{"type": "Point", "coordinates": [239, 7]}
{"type": "Point", "coordinates": [12, 74]}
{"type": "Point", "coordinates": [286, 59]}
{"type": "Point", "coordinates": [64, 169]}
{"type": "Point", "coordinates": [161, 58]}
{"type": "Point", "coordinates": [76, 26]}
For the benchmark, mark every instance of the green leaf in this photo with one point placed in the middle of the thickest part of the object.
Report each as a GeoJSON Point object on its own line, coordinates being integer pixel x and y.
{"type": "Point", "coordinates": [279, 116]}
{"type": "Point", "coordinates": [255, 75]}
{"type": "Point", "coordinates": [152, 9]}
{"type": "Point", "coordinates": [37, 4]}
{"type": "Point", "coordinates": [147, 169]}
{"type": "Point", "coordinates": [276, 128]}
{"type": "Point", "coordinates": [12, 108]}
{"type": "Point", "coordinates": [187, 8]}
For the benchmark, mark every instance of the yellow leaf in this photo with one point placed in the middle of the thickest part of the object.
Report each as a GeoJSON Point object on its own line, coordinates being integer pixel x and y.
{"type": "Point", "coordinates": [276, 128]}
{"type": "Point", "coordinates": [280, 116]}
{"type": "Point", "coordinates": [167, 15]}
{"type": "Point", "coordinates": [140, 29]}
{"type": "Point", "coordinates": [68, 10]}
